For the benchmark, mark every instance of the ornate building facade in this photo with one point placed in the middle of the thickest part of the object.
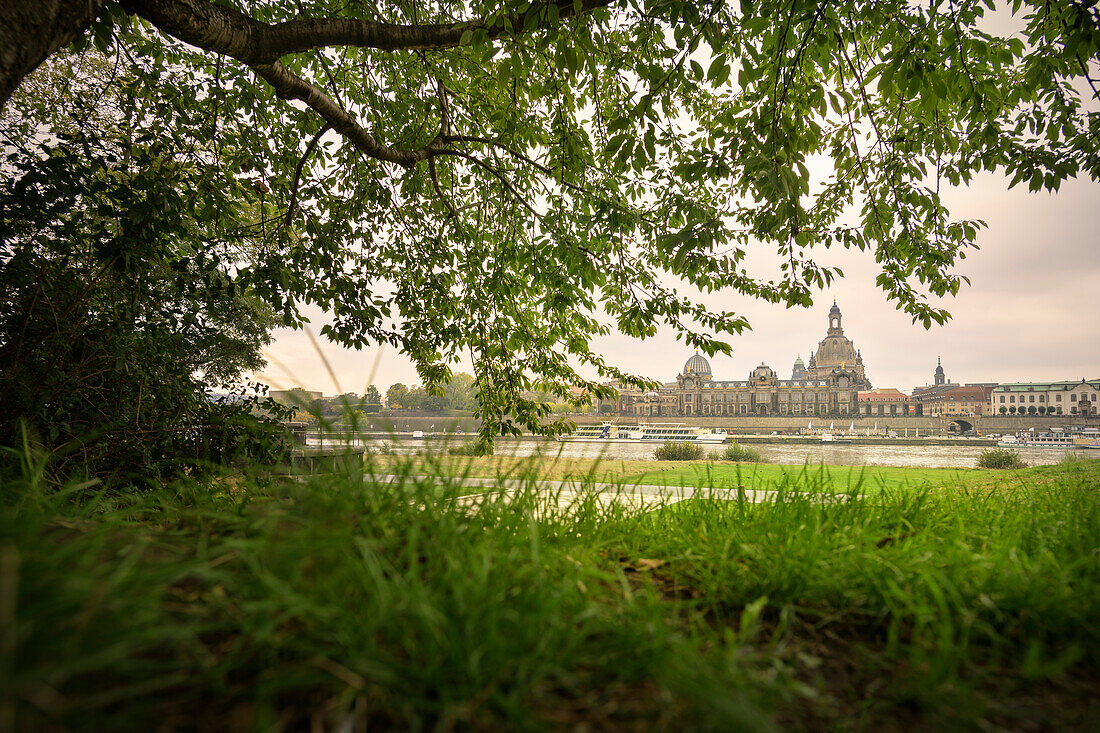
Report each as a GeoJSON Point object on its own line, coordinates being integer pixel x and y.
{"type": "Point", "coordinates": [828, 385]}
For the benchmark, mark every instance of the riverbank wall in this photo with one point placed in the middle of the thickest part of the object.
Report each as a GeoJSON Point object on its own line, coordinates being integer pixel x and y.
{"type": "Point", "coordinates": [905, 427]}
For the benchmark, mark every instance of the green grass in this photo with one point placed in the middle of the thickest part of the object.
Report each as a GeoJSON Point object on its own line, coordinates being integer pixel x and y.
{"type": "Point", "coordinates": [330, 600]}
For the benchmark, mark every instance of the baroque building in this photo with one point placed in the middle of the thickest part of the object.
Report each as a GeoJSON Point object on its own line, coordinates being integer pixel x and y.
{"type": "Point", "coordinates": [828, 386]}
{"type": "Point", "coordinates": [1050, 398]}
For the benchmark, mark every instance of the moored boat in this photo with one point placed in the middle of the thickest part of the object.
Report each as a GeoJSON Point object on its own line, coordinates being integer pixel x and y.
{"type": "Point", "coordinates": [609, 432]}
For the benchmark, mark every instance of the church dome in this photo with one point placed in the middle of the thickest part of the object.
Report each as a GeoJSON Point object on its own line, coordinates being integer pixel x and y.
{"type": "Point", "coordinates": [697, 365]}
{"type": "Point", "coordinates": [799, 362]}
{"type": "Point", "coordinates": [762, 372]}
{"type": "Point", "coordinates": [835, 351]}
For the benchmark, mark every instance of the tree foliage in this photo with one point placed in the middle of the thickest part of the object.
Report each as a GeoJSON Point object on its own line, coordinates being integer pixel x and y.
{"type": "Point", "coordinates": [119, 308]}
{"type": "Point", "coordinates": [510, 180]}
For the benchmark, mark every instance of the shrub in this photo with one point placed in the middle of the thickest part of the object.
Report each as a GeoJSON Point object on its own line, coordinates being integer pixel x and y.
{"type": "Point", "coordinates": [737, 453]}
{"type": "Point", "coordinates": [671, 451]}
{"type": "Point", "coordinates": [1000, 458]}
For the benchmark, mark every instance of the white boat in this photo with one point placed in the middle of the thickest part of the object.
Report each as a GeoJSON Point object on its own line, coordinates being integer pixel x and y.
{"type": "Point", "coordinates": [418, 435]}
{"type": "Point", "coordinates": [830, 437]}
{"type": "Point", "coordinates": [1049, 441]}
{"type": "Point", "coordinates": [645, 433]}
{"type": "Point", "coordinates": [1008, 440]}
{"type": "Point", "coordinates": [1056, 439]}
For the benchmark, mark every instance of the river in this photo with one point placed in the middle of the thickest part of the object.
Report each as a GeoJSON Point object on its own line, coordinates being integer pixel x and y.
{"type": "Point", "coordinates": [920, 456]}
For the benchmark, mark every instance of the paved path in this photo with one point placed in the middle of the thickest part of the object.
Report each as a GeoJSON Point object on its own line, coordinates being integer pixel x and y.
{"type": "Point", "coordinates": [569, 493]}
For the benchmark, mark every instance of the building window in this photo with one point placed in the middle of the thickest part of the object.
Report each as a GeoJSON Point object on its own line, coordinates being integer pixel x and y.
{"type": "Point", "coordinates": [1073, 398]}
{"type": "Point", "coordinates": [1031, 398]}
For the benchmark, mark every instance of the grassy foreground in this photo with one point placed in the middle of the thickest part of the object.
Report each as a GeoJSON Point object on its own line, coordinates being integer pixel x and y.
{"type": "Point", "coordinates": [330, 604]}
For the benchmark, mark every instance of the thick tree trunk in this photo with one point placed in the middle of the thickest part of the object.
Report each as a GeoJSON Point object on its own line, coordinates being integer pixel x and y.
{"type": "Point", "coordinates": [31, 30]}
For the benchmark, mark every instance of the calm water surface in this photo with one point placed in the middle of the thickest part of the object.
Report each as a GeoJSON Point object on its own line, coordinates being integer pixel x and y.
{"type": "Point", "coordinates": [930, 456]}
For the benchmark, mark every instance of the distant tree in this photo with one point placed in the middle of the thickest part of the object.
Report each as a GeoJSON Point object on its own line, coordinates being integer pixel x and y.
{"type": "Point", "coordinates": [430, 401]}
{"type": "Point", "coordinates": [396, 396]}
{"type": "Point", "coordinates": [1031, 410]}
{"type": "Point", "coordinates": [373, 396]}
{"type": "Point", "coordinates": [1003, 409]}
{"type": "Point", "coordinates": [414, 398]}
{"type": "Point", "coordinates": [460, 392]}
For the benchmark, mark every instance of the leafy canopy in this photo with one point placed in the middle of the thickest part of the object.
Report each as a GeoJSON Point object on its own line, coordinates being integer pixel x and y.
{"type": "Point", "coordinates": [511, 179]}
{"type": "Point", "coordinates": [119, 308]}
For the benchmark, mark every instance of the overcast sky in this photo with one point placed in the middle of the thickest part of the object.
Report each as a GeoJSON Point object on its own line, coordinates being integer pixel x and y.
{"type": "Point", "coordinates": [1031, 314]}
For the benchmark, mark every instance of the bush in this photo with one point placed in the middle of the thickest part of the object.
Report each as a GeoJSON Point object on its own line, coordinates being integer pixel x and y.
{"type": "Point", "coordinates": [117, 295]}
{"type": "Point", "coordinates": [671, 451]}
{"type": "Point", "coordinates": [1000, 458]}
{"type": "Point", "coordinates": [737, 453]}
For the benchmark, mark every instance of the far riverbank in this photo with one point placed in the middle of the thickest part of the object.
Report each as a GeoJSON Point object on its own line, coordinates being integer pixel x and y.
{"type": "Point", "coordinates": [922, 454]}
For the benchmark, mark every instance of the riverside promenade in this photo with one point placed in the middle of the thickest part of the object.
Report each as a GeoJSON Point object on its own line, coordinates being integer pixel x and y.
{"type": "Point", "coordinates": [569, 494]}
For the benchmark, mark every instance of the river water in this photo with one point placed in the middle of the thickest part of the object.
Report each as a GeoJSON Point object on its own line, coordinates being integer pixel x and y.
{"type": "Point", "coordinates": [922, 456]}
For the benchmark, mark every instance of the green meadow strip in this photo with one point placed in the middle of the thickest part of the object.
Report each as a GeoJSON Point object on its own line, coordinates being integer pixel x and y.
{"type": "Point", "coordinates": [337, 601]}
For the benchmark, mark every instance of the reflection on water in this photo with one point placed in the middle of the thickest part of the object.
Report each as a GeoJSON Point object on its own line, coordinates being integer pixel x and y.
{"type": "Point", "coordinates": [923, 456]}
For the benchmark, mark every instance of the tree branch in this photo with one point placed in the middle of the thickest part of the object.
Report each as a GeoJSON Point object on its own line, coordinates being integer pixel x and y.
{"type": "Point", "coordinates": [439, 190]}
{"type": "Point", "coordinates": [290, 86]}
{"type": "Point", "coordinates": [259, 45]}
{"type": "Point", "coordinates": [292, 209]}
{"type": "Point", "coordinates": [229, 31]}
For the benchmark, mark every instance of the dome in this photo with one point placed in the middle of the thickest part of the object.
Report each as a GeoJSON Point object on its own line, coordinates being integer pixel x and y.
{"type": "Point", "coordinates": [835, 310]}
{"type": "Point", "coordinates": [835, 351]}
{"type": "Point", "coordinates": [762, 372]}
{"type": "Point", "coordinates": [697, 365]}
{"type": "Point", "coordinates": [799, 362]}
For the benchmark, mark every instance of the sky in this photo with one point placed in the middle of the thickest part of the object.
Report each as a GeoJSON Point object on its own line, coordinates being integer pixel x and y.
{"type": "Point", "coordinates": [1032, 312]}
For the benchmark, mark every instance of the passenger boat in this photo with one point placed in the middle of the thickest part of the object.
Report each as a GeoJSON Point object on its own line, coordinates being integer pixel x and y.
{"type": "Point", "coordinates": [831, 437]}
{"type": "Point", "coordinates": [1055, 438]}
{"type": "Point", "coordinates": [609, 432]}
{"type": "Point", "coordinates": [1047, 440]}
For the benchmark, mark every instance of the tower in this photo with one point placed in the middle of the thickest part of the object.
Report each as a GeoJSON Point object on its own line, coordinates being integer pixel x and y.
{"type": "Point", "coordinates": [799, 370]}
{"type": "Point", "coordinates": [834, 321]}
{"type": "Point", "coordinates": [941, 378]}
